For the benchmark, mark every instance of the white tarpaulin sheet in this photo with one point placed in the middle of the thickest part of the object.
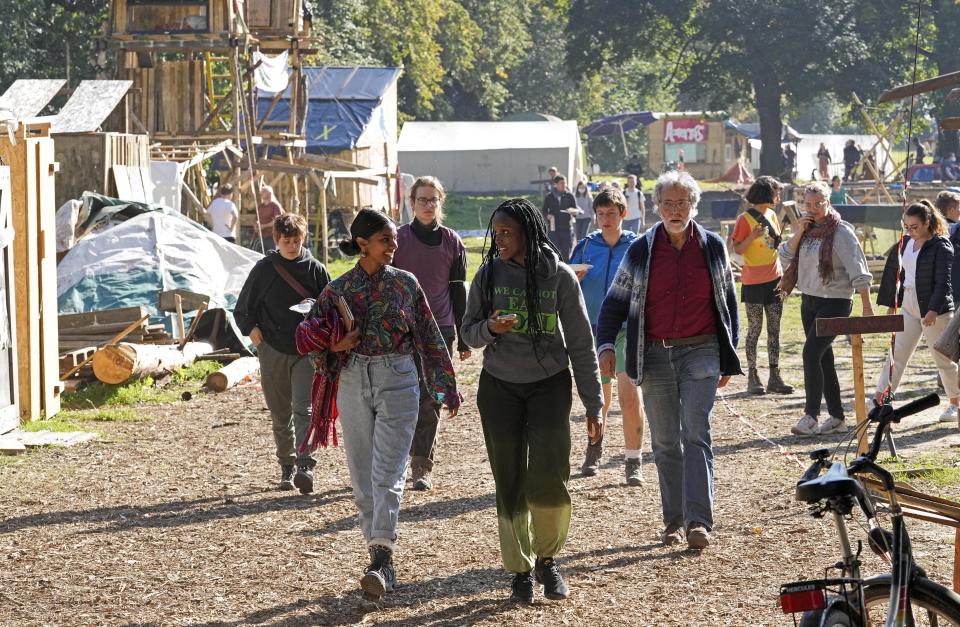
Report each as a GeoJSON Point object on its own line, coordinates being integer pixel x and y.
{"type": "Point", "coordinates": [131, 263]}
{"type": "Point", "coordinates": [273, 74]}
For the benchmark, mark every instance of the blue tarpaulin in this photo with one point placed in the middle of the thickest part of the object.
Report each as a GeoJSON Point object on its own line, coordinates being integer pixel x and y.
{"type": "Point", "coordinates": [341, 102]}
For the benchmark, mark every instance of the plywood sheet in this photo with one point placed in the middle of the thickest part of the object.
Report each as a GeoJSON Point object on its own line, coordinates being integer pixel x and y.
{"type": "Point", "coordinates": [89, 106]}
{"type": "Point", "coordinates": [26, 98]}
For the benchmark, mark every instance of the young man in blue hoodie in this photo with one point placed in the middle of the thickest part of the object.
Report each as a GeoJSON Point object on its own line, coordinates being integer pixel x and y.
{"type": "Point", "coordinates": [603, 250]}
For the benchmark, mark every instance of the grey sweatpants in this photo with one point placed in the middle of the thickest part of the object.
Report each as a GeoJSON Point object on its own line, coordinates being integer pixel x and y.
{"type": "Point", "coordinates": [287, 381]}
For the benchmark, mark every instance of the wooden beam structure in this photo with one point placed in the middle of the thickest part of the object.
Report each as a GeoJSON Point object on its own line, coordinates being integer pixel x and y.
{"type": "Point", "coordinates": [920, 87]}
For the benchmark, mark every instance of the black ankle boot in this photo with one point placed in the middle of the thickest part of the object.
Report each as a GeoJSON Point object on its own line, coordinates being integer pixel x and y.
{"type": "Point", "coordinates": [379, 577]}
{"type": "Point", "coordinates": [548, 574]}
{"type": "Point", "coordinates": [523, 587]}
{"type": "Point", "coordinates": [753, 382]}
{"type": "Point", "coordinates": [775, 384]}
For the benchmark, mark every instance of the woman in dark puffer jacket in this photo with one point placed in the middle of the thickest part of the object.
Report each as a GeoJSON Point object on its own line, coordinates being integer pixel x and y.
{"type": "Point", "coordinates": [925, 297]}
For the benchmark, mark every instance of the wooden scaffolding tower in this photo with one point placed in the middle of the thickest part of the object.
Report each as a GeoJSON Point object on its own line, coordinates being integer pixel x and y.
{"type": "Point", "coordinates": [192, 63]}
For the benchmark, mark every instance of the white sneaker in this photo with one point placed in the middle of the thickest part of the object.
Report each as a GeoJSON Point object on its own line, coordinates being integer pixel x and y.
{"type": "Point", "coordinates": [950, 414]}
{"type": "Point", "coordinates": [832, 425]}
{"type": "Point", "coordinates": [805, 426]}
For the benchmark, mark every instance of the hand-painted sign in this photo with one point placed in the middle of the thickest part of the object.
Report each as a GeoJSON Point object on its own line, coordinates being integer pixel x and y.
{"type": "Point", "coordinates": [686, 131]}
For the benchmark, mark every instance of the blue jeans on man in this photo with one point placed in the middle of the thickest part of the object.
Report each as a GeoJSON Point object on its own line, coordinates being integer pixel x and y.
{"type": "Point", "coordinates": [679, 385]}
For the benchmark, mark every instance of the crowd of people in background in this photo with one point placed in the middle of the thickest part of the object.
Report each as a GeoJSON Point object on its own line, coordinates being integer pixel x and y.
{"type": "Point", "coordinates": [576, 290]}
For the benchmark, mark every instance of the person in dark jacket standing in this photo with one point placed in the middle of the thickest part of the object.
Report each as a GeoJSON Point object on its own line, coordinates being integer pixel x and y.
{"type": "Point", "coordinates": [675, 291]}
{"type": "Point", "coordinates": [559, 209]}
{"type": "Point", "coordinates": [286, 276]}
{"type": "Point", "coordinates": [436, 256]}
{"type": "Point", "coordinates": [851, 157]}
{"type": "Point", "coordinates": [925, 261]}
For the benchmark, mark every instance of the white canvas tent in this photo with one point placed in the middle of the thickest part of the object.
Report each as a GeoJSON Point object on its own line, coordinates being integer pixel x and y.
{"type": "Point", "coordinates": [491, 156]}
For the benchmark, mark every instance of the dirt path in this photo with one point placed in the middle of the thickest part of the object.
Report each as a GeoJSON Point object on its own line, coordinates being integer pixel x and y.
{"type": "Point", "coordinates": [172, 521]}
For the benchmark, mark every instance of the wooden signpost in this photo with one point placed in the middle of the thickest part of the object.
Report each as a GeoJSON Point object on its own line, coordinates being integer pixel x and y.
{"type": "Point", "coordinates": [855, 327]}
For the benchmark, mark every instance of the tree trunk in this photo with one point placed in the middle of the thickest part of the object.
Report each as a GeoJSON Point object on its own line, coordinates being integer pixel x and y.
{"type": "Point", "coordinates": [121, 362]}
{"type": "Point", "coordinates": [946, 17]}
{"type": "Point", "coordinates": [232, 374]}
{"type": "Point", "coordinates": [767, 102]}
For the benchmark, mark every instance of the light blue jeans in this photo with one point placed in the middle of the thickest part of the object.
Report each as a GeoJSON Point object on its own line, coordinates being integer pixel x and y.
{"type": "Point", "coordinates": [378, 400]}
{"type": "Point", "coordinates": [679, 386]}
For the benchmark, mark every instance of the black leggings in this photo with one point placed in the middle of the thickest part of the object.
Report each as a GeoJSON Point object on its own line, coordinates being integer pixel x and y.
{"type": "Point", "coordinates": [819, 371]}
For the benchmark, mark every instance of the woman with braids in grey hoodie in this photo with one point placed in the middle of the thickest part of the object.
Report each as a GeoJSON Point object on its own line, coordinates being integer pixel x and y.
{"type": "Point", "coordinates": [526, 311]}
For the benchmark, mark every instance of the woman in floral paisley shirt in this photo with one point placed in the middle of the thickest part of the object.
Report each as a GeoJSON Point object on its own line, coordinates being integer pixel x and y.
{"type": "Point", "coordinates": [378, 393]}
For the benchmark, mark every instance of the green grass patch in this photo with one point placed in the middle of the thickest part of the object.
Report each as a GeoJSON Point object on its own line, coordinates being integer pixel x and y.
{"type": "Point", "coordinates": [58, 423]}
{"type": "Point", "coordinates": [112, 414]}
{"type": "Point", "coordinates": [197, 371]}
{"type": "Point", "coordinates": [941, 471]}
{"type": "Point", "coordinates": [98, 395]}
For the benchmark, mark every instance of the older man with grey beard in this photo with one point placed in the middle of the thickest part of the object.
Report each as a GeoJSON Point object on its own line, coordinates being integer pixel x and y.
{"type": "Point", "coordinates": [675, 291]}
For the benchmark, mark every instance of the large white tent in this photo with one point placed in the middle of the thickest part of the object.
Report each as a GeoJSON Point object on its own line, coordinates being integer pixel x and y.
{"type": "Point", "coordinates": [491, 156]}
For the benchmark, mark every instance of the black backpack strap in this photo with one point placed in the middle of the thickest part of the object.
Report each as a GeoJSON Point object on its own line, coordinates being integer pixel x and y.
{"type": "Point", "coordinates": [762, 219]}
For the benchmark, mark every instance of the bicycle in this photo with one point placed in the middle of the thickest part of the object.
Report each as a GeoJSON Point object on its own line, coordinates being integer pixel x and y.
{"type": "Point", "coordinates": [902, 597]}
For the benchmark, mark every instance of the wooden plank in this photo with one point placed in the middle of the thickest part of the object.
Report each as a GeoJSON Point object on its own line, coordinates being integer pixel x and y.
{"type": "Point", "coordinates": [920, 87]}
{"type": "Point", "coordinates": [859, 325]}
{"type": "Point", "coordinates": [102, 316]}
{"type": "Point", "coordinates": [90, 105]}
{"type": "Point", "coordinates": [121, 179]}
{"type": "Point", "coordinates": [859, 393]}
{"type": "Point", "coordinates": [950, 124]}
{"type": "Point", "coordinates": [23, 196]}
{"type": "Point", "coordinates": [47, 277]}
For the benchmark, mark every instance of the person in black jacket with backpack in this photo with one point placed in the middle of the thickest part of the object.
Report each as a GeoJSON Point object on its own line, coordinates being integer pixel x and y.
{"type": "Point", "coordinates": [924, 263]}
{"type": "Point", "coordinates": [285, 277]}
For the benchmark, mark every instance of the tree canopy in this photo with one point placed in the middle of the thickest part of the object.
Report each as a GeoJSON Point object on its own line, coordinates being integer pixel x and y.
{"type": "Point", "coordinates": [727, 52]}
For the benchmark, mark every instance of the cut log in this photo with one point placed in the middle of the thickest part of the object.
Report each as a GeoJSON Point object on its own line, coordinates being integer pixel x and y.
{"type": "Point", "coordinates": [122, 362]}
{"type": "Point", "coordinates": [232, 374]}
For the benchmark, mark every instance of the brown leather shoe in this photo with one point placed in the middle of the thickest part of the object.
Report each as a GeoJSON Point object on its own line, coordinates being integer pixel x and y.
{"type": "Point", "coordinates": [672, 535]}
{"type": "Point", "coordinates": [698, 537]}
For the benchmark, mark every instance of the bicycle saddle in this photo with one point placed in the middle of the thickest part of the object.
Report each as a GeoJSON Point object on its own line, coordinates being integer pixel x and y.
{"type": "Point", "coordinates": [836, 482]}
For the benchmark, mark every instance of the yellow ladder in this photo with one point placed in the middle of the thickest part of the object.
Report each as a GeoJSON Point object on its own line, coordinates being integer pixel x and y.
{"type": "Point", "coordinates": [216, 80]}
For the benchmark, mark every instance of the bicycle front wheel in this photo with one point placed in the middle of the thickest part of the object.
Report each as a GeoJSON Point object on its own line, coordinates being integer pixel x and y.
{"type": "Point", "coordinates": [930, 603]}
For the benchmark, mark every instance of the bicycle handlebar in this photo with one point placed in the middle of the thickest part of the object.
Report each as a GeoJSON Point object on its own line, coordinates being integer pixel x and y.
{"type": "Point", "coordinates": [886, 414]}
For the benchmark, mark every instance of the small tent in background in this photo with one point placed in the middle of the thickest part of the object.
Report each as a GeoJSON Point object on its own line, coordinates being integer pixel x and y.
{"type": "Point", "coordinates": [497, 157]}
{"type": "Point", "coordinates": [351, 119]}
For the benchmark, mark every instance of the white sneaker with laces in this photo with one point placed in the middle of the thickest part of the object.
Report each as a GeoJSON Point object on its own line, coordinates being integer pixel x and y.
{"type": "Point", "coordinates": [832, 425]}
{"type": "Point", "coordinates": [950, 414]}
{"type": "Point", "coordinates": [807, 425]}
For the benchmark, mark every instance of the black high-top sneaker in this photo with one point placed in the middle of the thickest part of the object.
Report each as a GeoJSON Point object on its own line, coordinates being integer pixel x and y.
{"type": "Point", "coordinates": [286, 477]}
{"type": "Point", "coordinates": [522, 587]}
{"type": "Point", "coordinates": [304, 479]}
{"type": "Point", "coordinates": [548, 574]}
{"type": "Point", "coordinates": [379, 577]}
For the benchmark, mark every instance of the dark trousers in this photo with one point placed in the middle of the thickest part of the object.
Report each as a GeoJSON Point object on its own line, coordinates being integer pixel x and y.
{"type": "Point", "coordinates": [819, 370]}
{"type": "Point", "coordinates": [563, 239]}
{"type": "Point", "coordinates": [526, 428]}
{"type": "Point", "coordinates": [428, 421]}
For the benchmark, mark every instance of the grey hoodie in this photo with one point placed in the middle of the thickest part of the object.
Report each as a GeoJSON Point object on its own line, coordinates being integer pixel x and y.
{"type": "Point", "coordinates": [567, 336]}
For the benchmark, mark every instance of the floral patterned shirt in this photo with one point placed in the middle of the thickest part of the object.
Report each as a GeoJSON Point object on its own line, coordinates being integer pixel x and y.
{"type": "Point", "coordinates": [393, 316]}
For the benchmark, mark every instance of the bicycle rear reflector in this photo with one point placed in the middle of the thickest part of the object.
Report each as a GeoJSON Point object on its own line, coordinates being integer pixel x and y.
{"type": "Point", "coordinates": [802, 596]}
